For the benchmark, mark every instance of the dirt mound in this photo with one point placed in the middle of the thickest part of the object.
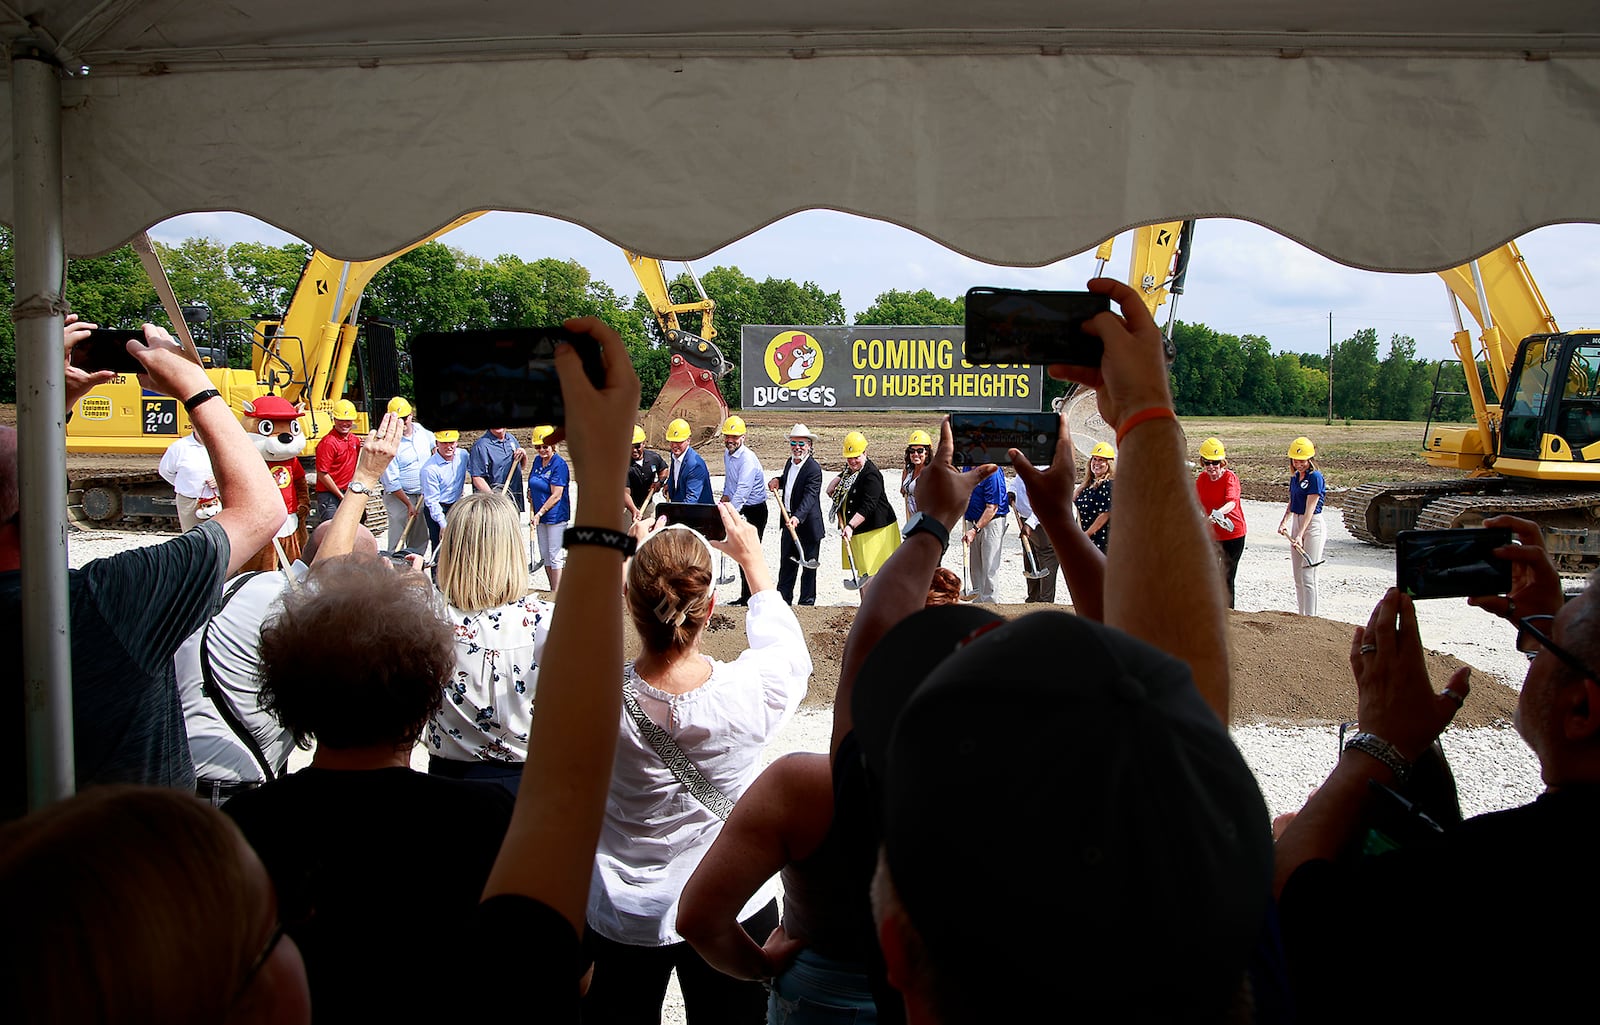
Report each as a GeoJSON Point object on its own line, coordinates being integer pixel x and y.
{"type": "Point", "coordinates": [1288, 669]}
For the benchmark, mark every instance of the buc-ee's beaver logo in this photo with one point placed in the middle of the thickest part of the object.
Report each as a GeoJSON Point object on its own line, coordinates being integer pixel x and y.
{"type": "Point", "coordinates": [794, 360]}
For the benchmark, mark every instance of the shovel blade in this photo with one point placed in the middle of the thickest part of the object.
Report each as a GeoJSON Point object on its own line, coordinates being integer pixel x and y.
{"type": "Point", "coordinates": [853, 584]}
{"type": "Point", "coordinates": [1036, 575]}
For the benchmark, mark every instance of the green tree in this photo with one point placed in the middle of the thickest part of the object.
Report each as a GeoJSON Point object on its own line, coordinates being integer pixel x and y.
{"type": "Point", "coordinates": [268, 274]}
{"type": "Point", "coordinates": [896, 308]}
{"type": "Point", "coordinates": [1355, 372]}
{"type": "Point", "coordinates": [1392, 386]}
{"type": "Point", "coordinates": [1292, 397]}
{"type": "Point", "coordinates": [742, 300]}
{"type": "Point", "coordinates": [1259, 392]}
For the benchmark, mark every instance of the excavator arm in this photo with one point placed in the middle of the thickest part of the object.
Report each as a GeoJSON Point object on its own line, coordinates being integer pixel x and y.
{"type": "Point", "coordinates": [691, 391]}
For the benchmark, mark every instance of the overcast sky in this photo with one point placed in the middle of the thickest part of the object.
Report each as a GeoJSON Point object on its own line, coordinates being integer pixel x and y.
{"type": "Point", "coordinates": [1243, 279]}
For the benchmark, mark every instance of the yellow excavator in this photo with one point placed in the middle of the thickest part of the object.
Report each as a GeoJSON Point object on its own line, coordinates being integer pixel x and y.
{"type": "Point", "coordinates": [306, 357]}
{"type": "Point", "coordinates": [1533, 448]}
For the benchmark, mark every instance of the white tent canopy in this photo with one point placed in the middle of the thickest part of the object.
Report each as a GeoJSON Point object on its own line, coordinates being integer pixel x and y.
{"type": "Point", "coordinates": [1387, 134]}
{"type": "Point", "coordinates": [1395, 136]}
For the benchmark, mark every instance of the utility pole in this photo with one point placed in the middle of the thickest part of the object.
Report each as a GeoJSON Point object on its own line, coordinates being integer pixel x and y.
{"type": "Point", "coordinates": [1330, 366]}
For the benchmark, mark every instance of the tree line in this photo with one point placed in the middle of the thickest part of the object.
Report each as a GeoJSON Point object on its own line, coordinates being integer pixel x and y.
{"type": "Point", "coordinates": [436, 287]}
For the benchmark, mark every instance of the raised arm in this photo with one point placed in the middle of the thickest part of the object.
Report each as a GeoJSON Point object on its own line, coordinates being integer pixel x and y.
{"type": "Point", "coordinates": [901, 586]}
{"type": "Point", "coordinates": [1156, 541]}
{"type": "Point", "coordinates": [1050, 494]}
{"type": "Point", "coordinates": [251, 510]}
{"type": "Point", "coordinates": [548, 852]}
{"type": "Point", "coordinates": [371, 461]}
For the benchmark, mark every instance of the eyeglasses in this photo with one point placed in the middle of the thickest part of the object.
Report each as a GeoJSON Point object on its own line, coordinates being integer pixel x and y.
{"type": "Point", "coordinates": [1210, 462]}
{"type": "Point", "coordinates": [261, 959]}
{"type": "Point", "coordinates": [1526, 628]}
{"type": "Point", "coordinates": [798, 444]}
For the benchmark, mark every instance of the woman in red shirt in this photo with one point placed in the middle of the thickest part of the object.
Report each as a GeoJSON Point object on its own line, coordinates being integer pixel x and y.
{"type": "Point", "coordinates": [1218, 488]}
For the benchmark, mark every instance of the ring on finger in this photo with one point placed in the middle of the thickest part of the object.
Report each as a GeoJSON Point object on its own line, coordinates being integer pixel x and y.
{"type": "Point", "coordinates": [1456, 696]}
{"type": "Point", "coordinates": [1367, 649]}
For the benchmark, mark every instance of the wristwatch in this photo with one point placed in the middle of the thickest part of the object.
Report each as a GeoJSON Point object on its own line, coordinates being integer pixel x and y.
{"type": "Point", "coordinates": [922, 523]}
{"type": "Point", "coordinates": [359, 488]}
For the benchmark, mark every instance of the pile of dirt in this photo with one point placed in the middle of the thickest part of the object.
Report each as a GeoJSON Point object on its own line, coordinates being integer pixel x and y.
{"type": "Point", "coordinates": [1287, 669]}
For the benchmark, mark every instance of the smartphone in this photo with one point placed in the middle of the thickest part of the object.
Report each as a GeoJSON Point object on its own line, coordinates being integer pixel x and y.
{"type": "Point", "coordinates": [1452, 563]}
{"type": "Point", "coordinates": [475, 380]}
{"type": "Point", "coordinates": [707, 519]}
{"type": "Point", "coordinates": [988, 437]}
{"type": "Point", "coordinates": [107, 349]}
{"type": "Point", "coordinates": [1012, 325]}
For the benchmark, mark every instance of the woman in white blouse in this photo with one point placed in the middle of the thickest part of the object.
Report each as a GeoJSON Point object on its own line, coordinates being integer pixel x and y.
{"type": "Point", "coordinates": [481, 728]}
{"type": "Point", "coordinates": [692, 732]}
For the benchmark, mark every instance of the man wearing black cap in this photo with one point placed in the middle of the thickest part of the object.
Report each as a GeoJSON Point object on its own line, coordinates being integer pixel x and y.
{"type": "Point", "coordinates": [1108, 769]}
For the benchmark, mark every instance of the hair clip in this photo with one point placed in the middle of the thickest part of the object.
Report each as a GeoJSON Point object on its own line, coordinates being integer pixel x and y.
{"type": "Point", "coordinates": [668, 612]}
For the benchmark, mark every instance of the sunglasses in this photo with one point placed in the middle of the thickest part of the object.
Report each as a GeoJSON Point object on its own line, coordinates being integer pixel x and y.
{"type": "Point", "coordinates": [798, 444]}
{"type": "Point", "coordinates": [1526, 628]}
{"type": "Point", "coordinates": [1210, 462]}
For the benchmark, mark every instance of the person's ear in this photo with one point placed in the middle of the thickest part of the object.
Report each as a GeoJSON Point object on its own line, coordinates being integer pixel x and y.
{"type": "Point", "coordinates": [1583, 715]}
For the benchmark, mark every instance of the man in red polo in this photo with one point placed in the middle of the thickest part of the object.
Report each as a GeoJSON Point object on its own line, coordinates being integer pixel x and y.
{"type": "Point", "coordinates": [336, 460]}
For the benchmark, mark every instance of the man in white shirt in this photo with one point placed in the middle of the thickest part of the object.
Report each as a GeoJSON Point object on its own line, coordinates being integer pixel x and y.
{"type": "Point", "coordinates": [743, 486]}
{"type": "Point", "coordinates": [402, 481]}
{"type": "Point", "coordinates": [187, 467]}
{"type": "Point", "coordinates": [444, 476]}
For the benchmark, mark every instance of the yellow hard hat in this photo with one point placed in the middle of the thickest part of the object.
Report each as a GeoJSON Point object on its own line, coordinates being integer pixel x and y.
{"type": "Point", "coordinates": [678, 430]}
{"type": "Point", "coordinates": [1212, 449]}
{"type": "Point", "coordinates": [733, 425]}
{"type": "Point", "coordinates": [855, 444]}
{"type": "Point", "coordinates": [444, 437]}
{"type": "Point", "coordinates": [1103, 450]}
{"type": "Point", "coordinates": [344, 409]}
{"type": "Point", "coordinates": [540, 434]}
{"type": "Point", "coordinates": [919, 438]}
{"type": "Point", "coordinates": [1301, 448]}
{"type": "Point", "coordinates": [638, 435]}
{"type": "Point", "coordinates": [399, 406]}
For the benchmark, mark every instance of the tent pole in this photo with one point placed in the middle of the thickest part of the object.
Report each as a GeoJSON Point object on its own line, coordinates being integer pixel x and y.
{"type": "Point", "coordinates": [41, 408]}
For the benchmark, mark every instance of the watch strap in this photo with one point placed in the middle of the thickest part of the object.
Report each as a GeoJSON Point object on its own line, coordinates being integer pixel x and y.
{"type": "Point", "coordinates": [922, 523]}
{"type": "Point", "coordinates": [1374, 746]}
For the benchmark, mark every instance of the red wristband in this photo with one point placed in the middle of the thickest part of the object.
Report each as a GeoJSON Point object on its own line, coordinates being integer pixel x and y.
{"type": "Point", "coordinates": [1143, 415]}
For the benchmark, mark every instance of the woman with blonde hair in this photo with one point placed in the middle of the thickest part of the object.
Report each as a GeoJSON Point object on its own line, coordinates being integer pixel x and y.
{"type": "Point", "coordinates": [1302, 522]}
{"type": "Point", "coordinates": [1093, 498]}
{"type": "Point", "coordinates": [481, 728]}
{"type": "Point", "coordinates": [691, 736]}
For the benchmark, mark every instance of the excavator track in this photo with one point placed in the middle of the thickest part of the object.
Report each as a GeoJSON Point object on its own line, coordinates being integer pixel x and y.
{"type": "Point", "coordinates": [126, 500]}
{"type": "Point", "coordinates": [1376, 512]}
{"type": "Point", "coordinates": [1570, 520]}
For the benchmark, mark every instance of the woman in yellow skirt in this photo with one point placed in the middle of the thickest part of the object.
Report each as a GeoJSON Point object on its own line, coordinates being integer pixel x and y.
{"type": "Point", "coordinates": [866, 519]}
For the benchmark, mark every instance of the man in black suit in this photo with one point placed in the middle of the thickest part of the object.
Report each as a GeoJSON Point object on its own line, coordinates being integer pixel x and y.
{"type": "Point", "coordinates": [800, 484]}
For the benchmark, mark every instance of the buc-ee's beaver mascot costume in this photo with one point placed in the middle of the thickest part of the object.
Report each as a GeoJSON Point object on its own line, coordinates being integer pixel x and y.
{"type": "Point", "coordinates": [274, 424]}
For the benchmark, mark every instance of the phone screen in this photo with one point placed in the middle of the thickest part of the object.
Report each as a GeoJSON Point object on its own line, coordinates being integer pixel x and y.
{"type": "Point", "coordinates": [707, 519]}
{"type": "Point", "coordinates": [1010, 325]}
{"type": "Point", "coordinates": [1451, 563]}
{"type": "Point", "coordinates": [988, 437]}
{"type": "Point", "coordinates": [475, 380]}
{"type": "Point", "coordinates": [107, 349]}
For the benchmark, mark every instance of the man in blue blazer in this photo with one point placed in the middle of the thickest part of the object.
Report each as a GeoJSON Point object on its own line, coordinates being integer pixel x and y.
{"type": "Point", "coordinates": [688, 480]}
{"type": "Point", "coordinates": [800, 484]}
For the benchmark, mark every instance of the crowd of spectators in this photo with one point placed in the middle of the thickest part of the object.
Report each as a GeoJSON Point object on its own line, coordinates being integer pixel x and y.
{"type": "Point", "coordinates": [1041, 816]}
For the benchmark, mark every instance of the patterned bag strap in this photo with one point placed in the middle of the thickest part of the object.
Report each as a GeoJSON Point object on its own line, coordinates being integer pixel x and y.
{"type": "Point", "coordinates": [683, 769]}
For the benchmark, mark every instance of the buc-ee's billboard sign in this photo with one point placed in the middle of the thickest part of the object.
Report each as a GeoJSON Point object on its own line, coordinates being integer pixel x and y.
{"type": "Point", "coordinates": [877, 368]}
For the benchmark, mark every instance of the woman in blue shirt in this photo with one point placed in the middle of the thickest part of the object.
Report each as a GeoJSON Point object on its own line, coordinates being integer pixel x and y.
{"type": "Point", "coordinates": [551, 509]}
{"type": "Point", "coordinates": [1302, 522]}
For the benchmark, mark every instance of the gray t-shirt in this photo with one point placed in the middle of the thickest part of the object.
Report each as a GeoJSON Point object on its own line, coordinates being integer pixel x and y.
{"type": "Point", "coordinates": [129, 614]}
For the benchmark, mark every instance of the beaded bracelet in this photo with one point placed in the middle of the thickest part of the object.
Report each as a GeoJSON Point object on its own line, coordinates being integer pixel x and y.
{"type": "Point", "coordinates": [1149, 413]}
{"type": "Point", "coordinates": [602, 536]}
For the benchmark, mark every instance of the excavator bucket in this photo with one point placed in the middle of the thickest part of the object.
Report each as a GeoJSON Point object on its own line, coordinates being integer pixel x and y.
{"type": "Point", "coordinates": [691, 392]}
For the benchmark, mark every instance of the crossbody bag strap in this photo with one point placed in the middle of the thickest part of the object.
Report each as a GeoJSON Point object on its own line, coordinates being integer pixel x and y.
{"type": "Point", "coordinates": [208, 686]}
{"type": "Point", "coordinates": [683, 769]}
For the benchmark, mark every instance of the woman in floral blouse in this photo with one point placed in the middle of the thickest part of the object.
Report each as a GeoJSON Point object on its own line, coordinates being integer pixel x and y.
{"type": "Point", "coordinates": [481, 728]}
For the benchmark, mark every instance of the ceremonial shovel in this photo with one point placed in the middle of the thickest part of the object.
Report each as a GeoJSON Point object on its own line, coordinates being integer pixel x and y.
{"type": "Point", "coordinates": [967, 593]}
{"type": "Point", "coordinates": [794, 535]}
{"type": "Point", "coordinates": [854, 583]}
{"type": "Point", "coordinates": [728, 576]}
{"type": "Point", "coordinates": [1309, 564]}
{"type": "Point", "coordinates": [1030, 564]}
{"type": "Point", "coordinates": [535, 565]}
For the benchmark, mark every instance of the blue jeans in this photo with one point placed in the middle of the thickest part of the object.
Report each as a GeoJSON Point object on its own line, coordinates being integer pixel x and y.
{"type": "Point", "coordinates": [816, 990]}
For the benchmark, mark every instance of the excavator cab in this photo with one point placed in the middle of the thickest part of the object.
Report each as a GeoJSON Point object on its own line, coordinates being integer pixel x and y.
{"type": "Point", "coordinates": [1552, 410]}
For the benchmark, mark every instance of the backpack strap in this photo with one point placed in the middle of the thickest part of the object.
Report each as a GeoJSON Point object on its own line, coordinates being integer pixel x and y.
{"type": "Point", "coordinates": [223, 704]}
